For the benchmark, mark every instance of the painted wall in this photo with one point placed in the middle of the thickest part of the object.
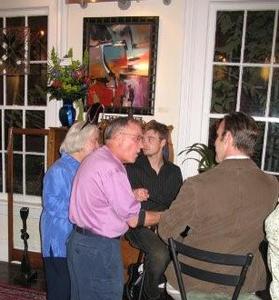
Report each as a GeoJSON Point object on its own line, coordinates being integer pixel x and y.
{"type": "Point", "coordinates": [66, 30]}
{"type": "Point", "coordinates": [170, 50]}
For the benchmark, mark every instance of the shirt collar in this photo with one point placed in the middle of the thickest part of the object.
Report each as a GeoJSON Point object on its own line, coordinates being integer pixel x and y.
{"type": "Point", "coordinates": [237, 157]}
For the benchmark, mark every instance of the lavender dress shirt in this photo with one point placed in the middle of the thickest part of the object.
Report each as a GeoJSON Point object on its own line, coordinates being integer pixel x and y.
{"type": "Point", "coordinates": [102, 199]}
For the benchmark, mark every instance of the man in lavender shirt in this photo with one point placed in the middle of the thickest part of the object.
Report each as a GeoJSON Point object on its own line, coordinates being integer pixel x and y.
{"type": "Point", "coordinates": [102, 207]}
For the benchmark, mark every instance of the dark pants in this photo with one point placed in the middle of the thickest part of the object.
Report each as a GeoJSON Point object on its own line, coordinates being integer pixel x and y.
{"type": "Point", "coordinates": [156, 258]}
{"type": "Point", "coordinates": [95, 266]}
{"type": "Point", "coordinates": [57, 278]}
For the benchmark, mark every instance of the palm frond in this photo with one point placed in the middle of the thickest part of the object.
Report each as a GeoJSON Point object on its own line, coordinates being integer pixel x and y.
{"type": "Point", "coordinates": [207, 156]}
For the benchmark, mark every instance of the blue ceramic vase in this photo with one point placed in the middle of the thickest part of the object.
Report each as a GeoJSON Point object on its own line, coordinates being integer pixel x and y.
{"type": "Point", "coordinates": [67, 113]}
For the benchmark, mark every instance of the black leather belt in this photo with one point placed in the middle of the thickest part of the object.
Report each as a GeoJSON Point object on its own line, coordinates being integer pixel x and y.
{"type": "Point", "coordinates": [87, 232]}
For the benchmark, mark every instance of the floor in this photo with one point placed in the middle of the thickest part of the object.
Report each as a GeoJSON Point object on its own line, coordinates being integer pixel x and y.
{"type": "Point", "coordinates": [10, 274]}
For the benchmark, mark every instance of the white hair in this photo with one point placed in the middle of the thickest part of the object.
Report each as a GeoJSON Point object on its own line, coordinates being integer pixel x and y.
{"type": "Point", "coordinates": [77, 136]}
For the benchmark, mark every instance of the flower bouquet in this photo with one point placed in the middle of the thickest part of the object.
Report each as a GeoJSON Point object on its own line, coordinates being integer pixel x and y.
{"type": "Point", "coordinates": [67, 78]}
{"type": "Point", "coordinates": [68, 81]}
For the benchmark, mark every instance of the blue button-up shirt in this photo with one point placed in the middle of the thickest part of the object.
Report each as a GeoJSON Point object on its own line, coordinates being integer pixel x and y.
{"type": "Point", "coordinates": [55, 224]}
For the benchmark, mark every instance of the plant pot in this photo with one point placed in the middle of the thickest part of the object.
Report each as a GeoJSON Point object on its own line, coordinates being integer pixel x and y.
{"type": "Point", "coordinates": [67, 113]}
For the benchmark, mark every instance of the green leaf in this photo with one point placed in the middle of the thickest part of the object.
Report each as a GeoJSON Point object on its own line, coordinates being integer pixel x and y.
{"type": "Point", "coordinates": [207, 155]}
{"type": "Point", "coordinates": [85, 60]}
{"type": "Point", "coordinates": [70, 52]}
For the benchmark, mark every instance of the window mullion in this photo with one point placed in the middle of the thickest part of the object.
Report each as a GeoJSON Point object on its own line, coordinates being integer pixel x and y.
{"type": "Point", "coordinates": [45, 149]}
{"type": "Point", "coordinates": [24, 122]}
{"type": "Point", "coordinates": [241, 61]}
{"type": "Point", "coordinates": [3, 124]}
{"type": "Point", "coordinates": [271, 65]}
{"type": "Point", "coordinates": [264, 145]}
{"type": "Point", "coordinates": [269, 90]}
{"type": "Point", "coordinates": [3, 151]}
{"type": "Point", "coordinates": [24, 152]}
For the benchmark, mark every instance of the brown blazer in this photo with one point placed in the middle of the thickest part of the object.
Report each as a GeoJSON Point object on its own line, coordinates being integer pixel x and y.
{"type": "Point", "coordinates": [225, 208]}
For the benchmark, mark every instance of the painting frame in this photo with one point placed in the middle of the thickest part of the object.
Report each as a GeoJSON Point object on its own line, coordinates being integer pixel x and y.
{"type": "Point", "coordinates": [122, 55]}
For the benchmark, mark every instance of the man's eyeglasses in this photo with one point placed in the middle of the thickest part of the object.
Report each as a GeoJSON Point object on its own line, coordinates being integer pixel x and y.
{"type": "Point", "coordinates": [92, 115]}
{"type": "Point", "coordinates": [136, 137]}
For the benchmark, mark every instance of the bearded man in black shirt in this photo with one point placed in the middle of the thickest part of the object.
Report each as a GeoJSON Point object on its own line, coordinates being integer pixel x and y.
{"type": "Point", "coordinates": [163, 180]}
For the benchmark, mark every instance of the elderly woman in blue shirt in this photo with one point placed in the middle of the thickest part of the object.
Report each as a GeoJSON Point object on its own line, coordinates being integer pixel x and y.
{"type": "Point", "coordinates": [81, 139]}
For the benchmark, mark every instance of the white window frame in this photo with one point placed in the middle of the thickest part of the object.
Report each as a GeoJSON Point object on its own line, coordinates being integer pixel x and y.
{"type": "Point", "coordinates": [21, 198]}
{"type": "Point", "coordinates": [198, 48]}
{"type": "Point", "coordinates": [210, 64]}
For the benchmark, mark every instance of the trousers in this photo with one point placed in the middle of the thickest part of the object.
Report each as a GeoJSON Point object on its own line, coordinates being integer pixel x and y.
{"type": "Point", "coordinates": [57, 278]}
{"type": "Point", "coordinates": [156, 258]}
{"type": "Point", "coordinates": [95, 266]}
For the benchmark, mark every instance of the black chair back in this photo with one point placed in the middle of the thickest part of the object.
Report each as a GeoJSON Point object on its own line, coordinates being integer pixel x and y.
{"type": "Point", "coordinates": [243, 261]}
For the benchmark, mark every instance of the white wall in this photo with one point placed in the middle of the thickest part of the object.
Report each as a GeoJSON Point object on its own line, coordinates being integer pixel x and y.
{"type": "Point", "coordinates": [66, 30]}
{"type": "Point", "coordinates": [34, 243]}
{"type": "Point", "coordinates": [170, 50]}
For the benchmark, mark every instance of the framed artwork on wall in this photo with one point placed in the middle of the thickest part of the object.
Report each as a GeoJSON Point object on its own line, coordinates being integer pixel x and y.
{"type": "Point", "coordinates": [122, 62]}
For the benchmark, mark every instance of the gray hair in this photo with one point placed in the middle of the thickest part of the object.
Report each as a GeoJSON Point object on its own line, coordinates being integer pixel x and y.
{"type": "Point", "coordinates": [77, 137]}
{"type": "Point", "coordinates": [117, 125]}
{"type": "Point", "coordinates": [244, 130]}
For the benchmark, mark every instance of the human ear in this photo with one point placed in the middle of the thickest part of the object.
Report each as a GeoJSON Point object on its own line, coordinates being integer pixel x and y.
{"type": "Point", "coordinates": [163, 143]}
{"type": "Point", "coordinates": [229, 137]}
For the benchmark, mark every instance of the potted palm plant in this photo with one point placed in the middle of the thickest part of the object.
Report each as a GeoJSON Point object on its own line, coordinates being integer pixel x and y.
{"type": "Point", "coordinates": [206, 158]}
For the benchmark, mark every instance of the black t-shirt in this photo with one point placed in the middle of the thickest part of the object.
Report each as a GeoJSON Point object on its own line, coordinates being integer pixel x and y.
{"type": "Point", "coordinates": [162, 187]}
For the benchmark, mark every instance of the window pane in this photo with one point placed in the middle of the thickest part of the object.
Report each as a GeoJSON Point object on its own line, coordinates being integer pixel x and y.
{"type": "Point", "coordinates": [15, 90]}
{"type": "Point", "coordinates": [272, 148]}
{"type": "Point", "coordinates": [34, 174]}
{"type": "Point", "coordinates": [35, 119]}
{"type": "Point", "coordinates": [35, 143]}
{"type": "Point", "coordinates": [274, 98]}
{"type": "Point", "coordinates": [38, 37]}
{"type": "Point", "coordinates": [253, 91]}
{"type": "Point", "coordinates": [259, 33]}
{"type": "Point", "coordinates": [224, 89]}
{"type": "Point", "coordinates": [15, 22]}
{"type": "Point", "coordinates": [213, 126]}
{"type": "Point", "coordinates": [13, 118]}
{"type": "Point", "coordinates": [6, 168]}
{"type": "Point", "coordinates": [257, 157]}
{"type": "Point", "coordinates": [276, 57]}
{"type": "Point", "coordinates": [37, 82]}
{"type": "Point", "coordinates": [17, 170]}
{"type": "Point", "coordinates": [228, 36]}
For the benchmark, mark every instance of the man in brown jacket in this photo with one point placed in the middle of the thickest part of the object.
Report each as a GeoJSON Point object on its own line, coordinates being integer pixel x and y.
{"type": "Point", "coordinates": [225, 207]}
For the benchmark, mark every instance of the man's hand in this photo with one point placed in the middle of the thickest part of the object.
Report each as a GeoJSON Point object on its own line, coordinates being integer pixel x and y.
{"type": "Point", "coordinates": [141, 194]}
{"type": "Point", "coordinates": [152, 218]}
